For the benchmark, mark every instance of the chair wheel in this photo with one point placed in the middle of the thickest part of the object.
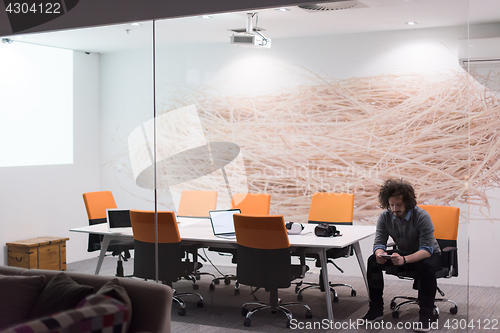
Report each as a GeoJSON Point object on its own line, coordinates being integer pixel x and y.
{"type": "Point", "coordinates": [300, 297]}
{"type": "Point", "coordinates": [199, 303]}
{"type": "Point", "coordinates": [247, 322]}
{"type": "Point", "coordinates": [237, 292]}
{"type": "Point", "coordinates": [309, 314]}
{"type": "Point", "coordinates": [454, 310]}
{"type": "Point", "coordinates": [393, 305]}
{"type": "Point", "coordinates": [195, 286]}
{"type": "Point", "coordinates": [297, 289]}
{"type": "Point", "coordinates": [227, 281]}
{"type": "Point", "coordinates": [216, 281]}
{"type": "Point", "coordinates": [335, 299]}
{"type": "Point", "coordinates": [288, 324]}
{"type": "Point", "coordinates": [395, 314]}
{"type": "Point", "coordinates": [211, 287]}
{"type": "Point", "coordinates": [353, 293]}
{"type": "Point", "coordinates": [244, 312]}
{"type": "Point", "coordinates": [181, 312]}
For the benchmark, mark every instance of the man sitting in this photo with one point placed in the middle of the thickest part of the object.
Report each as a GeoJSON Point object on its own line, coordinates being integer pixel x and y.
{"type": "Point", "coordinates": [412, 230]}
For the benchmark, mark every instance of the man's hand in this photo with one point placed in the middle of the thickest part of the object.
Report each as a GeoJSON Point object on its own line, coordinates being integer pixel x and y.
{"type": "Point", "coordinates": [397, 260]}
{"type": "Point", "coordinates": [378, 255]}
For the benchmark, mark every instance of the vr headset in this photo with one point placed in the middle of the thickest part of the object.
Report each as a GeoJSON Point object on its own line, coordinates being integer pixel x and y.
{"type": "Point", "coordinates": [293, 228]}
{"type": "Point", "coordinates": [326, 230]}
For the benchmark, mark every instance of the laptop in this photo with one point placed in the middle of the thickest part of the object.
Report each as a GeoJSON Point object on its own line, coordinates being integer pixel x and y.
{"type": "Point", "coordinates": [222, 222]}
{"type": "Point", "coordinates": [118, 220]}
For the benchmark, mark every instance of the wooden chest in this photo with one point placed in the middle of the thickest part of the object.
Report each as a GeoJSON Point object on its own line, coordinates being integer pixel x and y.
{"type": "Point", "coordinates": [41, 252]}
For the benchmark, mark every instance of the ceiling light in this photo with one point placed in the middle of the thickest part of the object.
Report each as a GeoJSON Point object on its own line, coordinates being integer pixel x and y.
{"type": "Point", "coordinates": [206, 17]}
{"type": "Point", "coordinates": [411, 23]}
{"type": "Point", "coordinates": [135, 24]}
{"type": "Point", "coordinates": [283, 9]}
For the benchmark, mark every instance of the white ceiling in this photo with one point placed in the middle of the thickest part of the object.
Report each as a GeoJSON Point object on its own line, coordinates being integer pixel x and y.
{"type": "Point", "coordinates": [368, 16]}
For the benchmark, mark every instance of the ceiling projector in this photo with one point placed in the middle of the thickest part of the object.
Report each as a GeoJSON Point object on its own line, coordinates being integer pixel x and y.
{"type": "Point", "coordinates": [250, 36]}
{"type": "Point", "coordinates": [249, 39]}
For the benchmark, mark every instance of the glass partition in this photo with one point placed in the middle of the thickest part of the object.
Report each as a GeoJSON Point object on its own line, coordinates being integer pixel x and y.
{"type": "Point", "coordinates": [481, 54]}
{"type": "Point", "coordinates": [341, 110]}
{"type": "Point", "coordinates": [75, 97]}
{"type": "Point", "coordinates": [264, 101]}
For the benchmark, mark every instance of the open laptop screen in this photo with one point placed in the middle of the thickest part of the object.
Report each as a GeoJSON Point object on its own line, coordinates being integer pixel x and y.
{"type": "Point", "coordinates": [222, 221]}
{"type": "Point", "coordinates": [118, 218]}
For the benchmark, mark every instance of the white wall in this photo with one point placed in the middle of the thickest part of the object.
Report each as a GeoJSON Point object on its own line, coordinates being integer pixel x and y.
{"type": "Point", "coordinates": [47, 200]}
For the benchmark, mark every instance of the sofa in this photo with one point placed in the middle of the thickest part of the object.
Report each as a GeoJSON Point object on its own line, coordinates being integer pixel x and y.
{"type": "Point", "coordinates": [33, 300]}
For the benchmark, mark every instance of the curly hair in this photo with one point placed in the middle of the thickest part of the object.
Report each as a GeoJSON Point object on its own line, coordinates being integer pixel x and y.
{"type": "Point", "coordinates": [397, 188]}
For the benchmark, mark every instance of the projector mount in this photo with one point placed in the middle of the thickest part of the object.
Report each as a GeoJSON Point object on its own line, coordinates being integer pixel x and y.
{"type": "Point", "coordinates": [250, 36]}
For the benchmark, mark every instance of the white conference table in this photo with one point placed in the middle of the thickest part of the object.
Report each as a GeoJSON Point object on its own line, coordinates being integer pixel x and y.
{"type": "Point", "coordinates": [198, 232]}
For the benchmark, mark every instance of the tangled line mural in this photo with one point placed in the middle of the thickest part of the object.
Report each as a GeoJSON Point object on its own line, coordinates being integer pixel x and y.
{"type": "Point", "coordinates": [440, 132]}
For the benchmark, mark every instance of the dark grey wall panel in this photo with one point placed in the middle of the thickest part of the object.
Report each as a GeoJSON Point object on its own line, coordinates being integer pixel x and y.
{"type": "Point", "coordinates": [89, 13]}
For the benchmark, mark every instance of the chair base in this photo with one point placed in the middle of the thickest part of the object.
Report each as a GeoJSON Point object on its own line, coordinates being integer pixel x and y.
{"type": "Point", "coordinates": [226, 278]}
{"type": "Point", "coordinates": [196, 266]}
{"type": "Point", "coordinates": [413, 300]}
{"type": "Point", "coordinates": [195, 274]}
{"type": "Point", "coordinates": [178, 298]}
{"type": "Point", "coordinates": [198, 275]}
{"type": "Point", "coordinates": [119, 263]}
{"type": "Point", "coordinates": [257, 306]}
{"type": "Point", "coordinates": [299, 290]}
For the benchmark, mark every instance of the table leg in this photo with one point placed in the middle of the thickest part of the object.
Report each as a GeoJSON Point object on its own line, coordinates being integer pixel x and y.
{"type": "Point", "coordinates": [361, 263]}
{"type": "Point", "coordinates": [104, 246]}
{"type": "Point", "coordinates": [324, 268]}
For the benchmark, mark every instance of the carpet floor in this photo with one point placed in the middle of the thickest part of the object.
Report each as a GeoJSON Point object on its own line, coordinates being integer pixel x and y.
{"type": "Point", "coordinates": [478, 307]}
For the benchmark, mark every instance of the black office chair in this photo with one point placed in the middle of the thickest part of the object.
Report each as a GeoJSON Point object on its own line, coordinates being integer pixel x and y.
{"type": "Point", "coordinates": [336, 209]}
{"type": "Point", "coordinates": [171, 267]}
{"type": "Point", "coordinates": [264, 261]}
{"type": "Point", "coordinates": [445, 220]}
{"type": "Point", "coordinates": [96, 204]}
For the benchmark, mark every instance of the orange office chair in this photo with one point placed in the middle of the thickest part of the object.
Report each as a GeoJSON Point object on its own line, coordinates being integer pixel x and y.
{"type": "Point", "coordinates": [197, 203]}
{"type": "Point", "coordinates": [248, 204]}
{"type": "Point", "coordinates": [252, 203]}
{"type": "Point", "coordinates": [331, 208]}
{"type": "Point", "coordinates": [264, 261]}
{"type": "Point", "coordinates": [445, 220]}
{"type": "Point", "coordinates": [171, 267]}
{"type": "Point", "coordinates": [96, 204]}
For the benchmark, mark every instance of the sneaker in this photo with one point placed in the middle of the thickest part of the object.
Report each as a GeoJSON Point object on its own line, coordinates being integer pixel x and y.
{"type": "Point", "coordinates": [423, 324]}
{"type": "Point", "coordinates": [426, 323]}
{"type": "Point", "coordinates": [374, 314]}
{"type": "Point", "coordinates": [426, 318]}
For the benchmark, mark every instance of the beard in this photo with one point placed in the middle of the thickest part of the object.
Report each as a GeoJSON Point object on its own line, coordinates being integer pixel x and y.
{"type": "Point", "coordinates": [399, 214]}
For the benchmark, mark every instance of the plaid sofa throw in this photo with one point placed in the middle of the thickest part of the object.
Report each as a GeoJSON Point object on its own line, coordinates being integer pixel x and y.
{"type": "Point", "coordinates": [96, 313]}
